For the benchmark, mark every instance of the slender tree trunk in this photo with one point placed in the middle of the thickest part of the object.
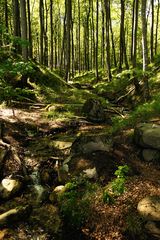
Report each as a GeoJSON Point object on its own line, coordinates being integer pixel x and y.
{"type": "Point", "coordinates": [41, 14]}
{"type": "Point", "coordinates": [144, 49]}
{"type": "Point", "coordinates": [152, 31]}
{"type": "Point", "coordinates": [97, 32]}
{"type": "Point", "coordinates": [79, 37]}
{"type": "Point", "coordinates": [24, 28]}
{"type": "Point", "coordinates": [102, 40]}
{"type": "Point", "coordinates": [157, 25]}
{"type": "Point", "coordinates": [46, 36]}
{"type": "Point", "coordinates": [30, 50]}
{"type": "Point", "coordinates": [113, 45]}
{"type": "Point", "coordinates": [134, 33]}
{"type": "Point", "coordinates": [107, 11]}
{"type": "Point", "coordinates": [51, 34]}
{"type": "Point", "coordinates": [16, 23]}
{"type": "Point", "coordinates": [6, 14]}
{"type": "Point", "coordinates": [68, 37]}
{"type": "Point", "coordinates": [123, 55]}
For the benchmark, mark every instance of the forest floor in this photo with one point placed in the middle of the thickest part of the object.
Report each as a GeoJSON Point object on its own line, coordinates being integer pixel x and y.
{"type": "Point", "coordinates": [118, 221]}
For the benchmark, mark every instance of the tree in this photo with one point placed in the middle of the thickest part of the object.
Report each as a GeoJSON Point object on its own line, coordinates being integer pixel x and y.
{"type": "Point", "coordinates": [157, 25]}
{"type": "Point", "coordinates": [24, 29]}
{"type": "Point", "coordinates": [152, 31]}
{"type": "Point", "coordinates": [107, 12]}
{"type": "Point", "coordinates": [96, 55]}
{"type": "Point", "coordinates": [68, 38]}
{"type": "Point", "coordinates": [123, 55]}
{"type": "Point", "coordinates": [30, 50]}
{"type": "Point", "coordinates": [41, 15]}
{"type": "Point", "coordinates": [144, 49]}
{"type": "Point", "coordinates": [16, 24]}
{"type": "Point", "coordinates": [134, 32]}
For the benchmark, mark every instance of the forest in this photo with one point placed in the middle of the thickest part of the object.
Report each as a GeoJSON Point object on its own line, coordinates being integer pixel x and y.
{"type": "Point", "coordinates": [79, 119]}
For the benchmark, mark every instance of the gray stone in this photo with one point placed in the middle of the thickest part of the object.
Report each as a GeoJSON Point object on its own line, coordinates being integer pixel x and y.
{"type": "Point", "coordinates": [149, 208]}
{"type": "Point", "coordinates": [147, 135]}
{"type": "Point", "coordinates": [151, 155]}
{"type": "Point", "coordinates": [9, 188]}
{"type": "Point", "coordinates": [90, 143]}
{"type": "Point", "coordinates": [94, 111]}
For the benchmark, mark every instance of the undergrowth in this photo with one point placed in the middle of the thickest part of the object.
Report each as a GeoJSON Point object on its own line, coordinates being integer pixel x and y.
{"type": "Point", "coordinates": [142, 113]}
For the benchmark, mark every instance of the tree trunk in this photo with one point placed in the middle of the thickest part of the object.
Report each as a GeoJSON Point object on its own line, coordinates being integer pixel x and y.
{"type": "Point", "coordinates": [41, 14]}
{"type": "Point", "coordinates": [51, 34]}
{"type": "Point", "coordinates": [113, 45]}
{"type": "Point", "coordinates": [68, 38]}
{"type": "Point", "coordinates": [157, 24]}
{"type": "Point", "coordinates": [144, 49]}
{"type": "Point", "coordinates": [16, 24]}
{"type": "Point", "coordinates": [30, 50]}
{"type": "Point", "coordinates": [123, 55]}
{"type": "Point", "coordinates": [152, 31]}
{"type": "Point", "coordinates": [102, 40]}
{"type": "Point", "coordinates": [79, 37]}
{"type": "Point", "coordinates": [24, 28]}
{"type": "Point", "coordinates": [107, 11]}
{"type": "Point", "coordinates": [96, 52]}
{"type": "Point", "coordinates": [134, 33]}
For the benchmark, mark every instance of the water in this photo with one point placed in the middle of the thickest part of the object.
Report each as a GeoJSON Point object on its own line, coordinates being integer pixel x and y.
{"type": "Point", "coordinates": [39, 189]}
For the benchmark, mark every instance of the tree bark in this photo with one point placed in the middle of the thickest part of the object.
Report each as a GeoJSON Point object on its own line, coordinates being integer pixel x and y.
{"type": "Point", "coordinates": [144, 49]}
{"type": "Point", "coordinates": [24, 28]}
{"type": "Point", "coordinates": [152, 31]}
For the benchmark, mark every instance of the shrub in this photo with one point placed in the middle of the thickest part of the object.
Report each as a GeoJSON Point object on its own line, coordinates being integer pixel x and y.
{"type": "Point", "coordinates": [75, 201]}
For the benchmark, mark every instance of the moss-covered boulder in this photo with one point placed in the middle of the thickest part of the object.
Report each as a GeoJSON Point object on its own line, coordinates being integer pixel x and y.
{"type": "Point", "coordinates": [147, 135]}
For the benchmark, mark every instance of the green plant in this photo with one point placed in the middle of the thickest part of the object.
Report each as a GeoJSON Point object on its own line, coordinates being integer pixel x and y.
{"type": "Point", "coordinates": [118, 184]}
{"type": "Point", "coordinates": [75, 201]}
{"type": "Point", "coordinates": [107, 197]}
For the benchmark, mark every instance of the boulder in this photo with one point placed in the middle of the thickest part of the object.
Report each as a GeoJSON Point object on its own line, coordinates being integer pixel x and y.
{"type": "Point", "coordinates": [86, 144]}
{"type": "Point", "coordinates": [147, 135]}
{"type": "Point", "coordinates": [151, 155]}
{"type": "Point", "coordinates": [9, 188]}
{"type": "Point", "coordinates": [15, 215]}
{"type": "Point", "coordinates": [149, 208]}
{"type": "Point", "coordinates": [55, 193]}
{"type": "Point", "coordinates": [94, 111]}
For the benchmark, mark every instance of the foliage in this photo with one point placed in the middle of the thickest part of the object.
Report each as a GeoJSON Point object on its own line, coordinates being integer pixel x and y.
{"type": "Point", "coordinates": [142, 113]}
{"type": "Point", "coordinates": [117, 186]}
{"type": "Point", "coordinates": [75, 202]}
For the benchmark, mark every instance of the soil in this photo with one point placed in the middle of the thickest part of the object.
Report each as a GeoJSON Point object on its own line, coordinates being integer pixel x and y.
{"type": "Point", "coordinates": [30, 134]}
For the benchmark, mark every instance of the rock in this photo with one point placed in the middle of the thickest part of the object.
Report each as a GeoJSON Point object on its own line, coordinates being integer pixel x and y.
{"type": "Point", "coordinates": [153, 228]}
{"type": "Point", "coordinates": [99, 164]}
{"type": "Point", "coordinates": [86, 144]}
{"type": "Point", "coordinates": [149, 208]}
{"type": "Point", "coordinates": [56, 192]}
{"type": "Point", "coordinates": [90, 173]}
{"type": "Point", "coordinates": [15, 215]}
{"type": "Point", "coordinates": [147, 135]}
{"type": "Point", "coordinates": [151, 155]}
{"type": "Point", "coordinates": [9, 188]}
{"type": "Point", "coordinates": [47, 217]}
{"type": "Point", "coordinates": [94, 111]}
